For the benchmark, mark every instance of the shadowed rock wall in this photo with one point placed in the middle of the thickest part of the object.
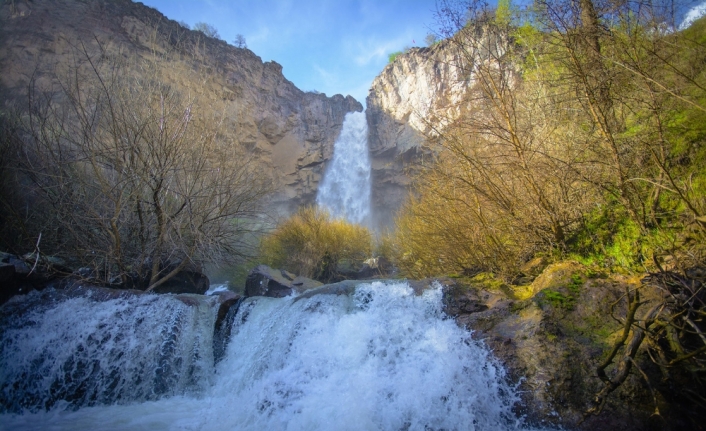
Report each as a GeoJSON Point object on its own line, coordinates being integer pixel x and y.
{"type": "Point", "coordinates": [291, 131]}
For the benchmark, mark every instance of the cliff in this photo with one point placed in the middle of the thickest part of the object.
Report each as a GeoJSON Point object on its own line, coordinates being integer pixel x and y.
{"type": "Point", "coordinates": [291, 131]}
{"type": "Point", "coordinates": [416, 94]}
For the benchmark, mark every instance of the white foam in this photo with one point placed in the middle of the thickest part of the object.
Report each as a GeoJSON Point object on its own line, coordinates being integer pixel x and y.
{"type": "Point", "coordinates": [345, 188]}
{"type": "Point", "coordinates": [381, 359]}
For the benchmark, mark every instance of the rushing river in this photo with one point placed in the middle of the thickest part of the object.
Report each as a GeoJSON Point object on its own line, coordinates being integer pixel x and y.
{"type": "Point", "coordinates": [381, 358]}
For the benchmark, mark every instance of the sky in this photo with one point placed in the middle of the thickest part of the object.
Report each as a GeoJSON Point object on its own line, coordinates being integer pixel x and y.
{"type": "Point", "coordinates": [330, 46]}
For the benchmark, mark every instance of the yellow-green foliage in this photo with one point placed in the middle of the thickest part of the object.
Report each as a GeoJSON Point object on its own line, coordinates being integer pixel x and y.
{"type": "Point", "coordinates": [312, 244]}
{"type": "Point", "coordinates": [565, 152]}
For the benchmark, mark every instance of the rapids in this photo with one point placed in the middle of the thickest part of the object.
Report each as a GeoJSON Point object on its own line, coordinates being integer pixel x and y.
{"type": "Point", "coordinates": [381, 358]}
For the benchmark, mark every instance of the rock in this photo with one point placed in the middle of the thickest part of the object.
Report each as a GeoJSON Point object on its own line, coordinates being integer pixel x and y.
{"type": "Point", "coordinates": [557, 275]}
{"type": "Point", "coordinates": [374, 268]}
{"type": "Point", "coordinates": [423, 86]}
{"type": "Point", "coordinates": [551, 348]}
{"type": "Point", "coordinates": [8, 285]}
{"type": "Point", "coordinates": [225, 301]}
{"type": "Point", "coordinates": [21, 267]}
{"type": "Point", "coordinates": [289, 131]}
{"type": "Point", "coordinates": [302, 283]}
{"type": "Point", "coordinates": [265, 281]}
{"type": "Point", "coordinates": [21, 275]}
{"type": "Point", "coordinates": [228, 304]}
{"type": "Point", "coordinates": [185, 282]}
{"type": "Point", "coordinates": [7, 272]}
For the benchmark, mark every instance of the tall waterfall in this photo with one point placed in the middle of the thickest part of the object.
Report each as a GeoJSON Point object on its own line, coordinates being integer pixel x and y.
{"type": "Point", "coordinates": [380, 358]}
{"type": "Point", "coordinates": [345, 189]}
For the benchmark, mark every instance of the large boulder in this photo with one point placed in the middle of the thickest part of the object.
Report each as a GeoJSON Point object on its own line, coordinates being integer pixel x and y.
{"type": "Point", "coordinates": [186, 281]}
{"type": "Point", "coordinates": [20, 275]}
{"type": "Point", "coordinates": [275, 283]}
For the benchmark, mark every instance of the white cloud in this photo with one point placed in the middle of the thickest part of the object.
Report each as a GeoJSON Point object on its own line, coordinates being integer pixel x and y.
{"type": "Point", "coordinates": [328, 79]}
{"type": "Point", "coordinates": [375, 50]}
{"type": "Point", "coordinates": [260, 36]}
{"type": "Point", "coordinates": [694, 13]}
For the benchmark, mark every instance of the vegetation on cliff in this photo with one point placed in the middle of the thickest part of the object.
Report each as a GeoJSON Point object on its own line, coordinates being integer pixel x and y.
{"type": "Point", "coordinates": [573, 141]}
{"type": "Point", "coordinates": [581, 136]}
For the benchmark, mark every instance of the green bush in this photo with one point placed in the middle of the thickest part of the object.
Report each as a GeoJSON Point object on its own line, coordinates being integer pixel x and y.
{"type": "Point", "coordinates": [312, 244]}
{"type": "Point", "coordinates": [393, 56]}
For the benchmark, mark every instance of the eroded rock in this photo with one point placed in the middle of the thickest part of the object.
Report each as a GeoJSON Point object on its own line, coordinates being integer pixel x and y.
{"type": "Point", "coordinates": [265, 281]}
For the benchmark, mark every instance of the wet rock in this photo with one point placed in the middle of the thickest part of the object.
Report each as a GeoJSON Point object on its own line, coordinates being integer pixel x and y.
{"type": "Point", "coordinates": [19, 275]}
{"type": "Point", "coordinates": [551, 344]}
{"type": "Point", "coordinates": [7, 272]}
{"type": "Point", "coordinates": [185, 282]}
{"type": "Point", "coordinates": [265, 281]}
{"type": "Point", "coordinates": [228, 304]}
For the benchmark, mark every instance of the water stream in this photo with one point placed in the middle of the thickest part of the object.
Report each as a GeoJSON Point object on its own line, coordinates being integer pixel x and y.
{"type": "Point", "coordinates": [381, 358]}
{"type": "Point", "coordinates": [345, 188]}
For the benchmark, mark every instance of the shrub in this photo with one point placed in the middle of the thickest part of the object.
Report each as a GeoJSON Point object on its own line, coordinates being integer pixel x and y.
{"type": "Point", "coordinates": [207, 29]}
{"type": "Point", "coordinates": [393, 56]}
{"type": "Point", "coordinates": [312, 244]}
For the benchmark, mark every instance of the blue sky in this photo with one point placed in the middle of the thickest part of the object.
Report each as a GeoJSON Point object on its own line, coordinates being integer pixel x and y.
{"type": "Point", "coordinates": [331, 46]}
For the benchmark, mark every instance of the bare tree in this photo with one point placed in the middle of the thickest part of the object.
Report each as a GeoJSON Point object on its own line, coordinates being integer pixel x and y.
{"type": "Point", "coordinates": [207, 29]}
{"type": "Point", "coordinates": [137, 175]}
{"type": "Point", "coordinates": [240, 41]}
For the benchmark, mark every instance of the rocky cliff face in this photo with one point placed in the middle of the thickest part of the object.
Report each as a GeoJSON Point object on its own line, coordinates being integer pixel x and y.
{"type": "Point", "coordinates": [423, 87]}
{"type": "Point", "coordinates": [291, 131]}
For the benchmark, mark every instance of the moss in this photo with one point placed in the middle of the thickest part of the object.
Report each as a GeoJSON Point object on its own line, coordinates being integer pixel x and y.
{"type": "Point", "coordinates": [488, 280]}
{"type": "Point", "coordinates": [556, 299]}
{"type": "Point", "coordinates": [576, 282]}
{"type": "Point", "coordinates": [518, 306]}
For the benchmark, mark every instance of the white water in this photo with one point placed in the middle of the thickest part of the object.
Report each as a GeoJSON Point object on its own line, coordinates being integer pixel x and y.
{"type": "Point", "coordinates": [380, 359]}
{"type": "Point", "coordinates": [86, 351]}
{"type": "Point", "coordinates": [345, 188]}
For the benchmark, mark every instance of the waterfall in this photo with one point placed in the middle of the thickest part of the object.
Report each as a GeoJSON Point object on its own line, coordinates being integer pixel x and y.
{"type": "Point", "coordinates": [380, 358]}
{"type": "Point", "coordinates": [345, 188]}
{"type": "Point", "coordinates": [83, 351]}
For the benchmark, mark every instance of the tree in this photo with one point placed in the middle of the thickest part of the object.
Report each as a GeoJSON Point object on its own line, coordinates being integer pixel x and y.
{"type": "Point", "coordinates": [312, 244]}
{"type": "Point", "coordinates": [430, 39]}
{"type": "Point", "coordinates": [207, 29]}
{"type": "Point", "coordinates": [134, 176]}
{"type": "Point", "coordinates": [582, 133]}
{"type": "Point", "coordinates": [503, 177]}
{"type": "Point", "coordinates": [240, 41]}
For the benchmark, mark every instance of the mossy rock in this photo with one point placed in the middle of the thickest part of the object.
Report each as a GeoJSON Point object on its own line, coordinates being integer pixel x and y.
{"type": "Point", "coordinates": [558, 276]}
{"type": "Point", "coordinates": [552, 342]}
{"type": "Point", "coordinates": [534, 266]}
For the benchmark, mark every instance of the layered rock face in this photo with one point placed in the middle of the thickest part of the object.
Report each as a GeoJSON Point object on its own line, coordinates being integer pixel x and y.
{"type": "Point", "coordinates": [291, 131]}
{"type": "Point", "coordinates": [422, 90]}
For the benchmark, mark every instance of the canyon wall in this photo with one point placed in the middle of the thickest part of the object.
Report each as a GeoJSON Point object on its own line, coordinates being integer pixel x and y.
{"type": "Point", "coordinates": [292, 132]}
{"type": "Point", "coordinates": [415, 95]}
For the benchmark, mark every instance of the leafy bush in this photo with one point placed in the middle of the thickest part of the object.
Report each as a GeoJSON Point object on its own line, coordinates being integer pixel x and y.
{"type": "Point", "coordinates": [312, 244]}
{"type": "Point", "coordinates": [393, 56]}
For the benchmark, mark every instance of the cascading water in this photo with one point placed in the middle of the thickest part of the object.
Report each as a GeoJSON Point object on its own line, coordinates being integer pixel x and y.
{"type": "Point", "coordinates": [345, 188]}
{"type": "Point", "coordinates": [80, 351]}
{"type": "Point", "coordinates": [381, 358]}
